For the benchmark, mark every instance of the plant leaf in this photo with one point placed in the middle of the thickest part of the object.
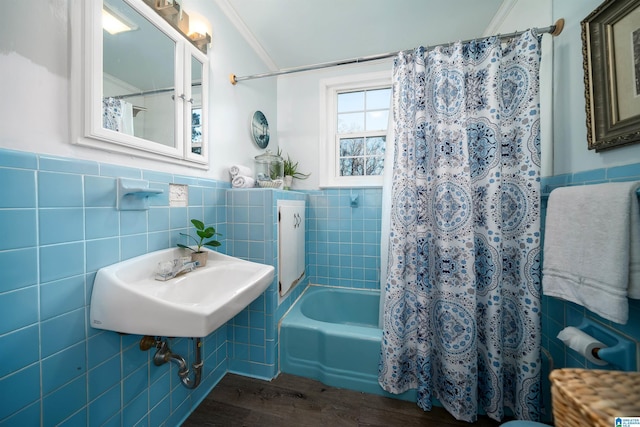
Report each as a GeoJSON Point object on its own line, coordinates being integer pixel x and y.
{"type": "Point", "coordinates": [180, 245]}
{"type": "Point", "coordinates": [199, 225]}
{"type": "Point", "coordinates": [212, 243]}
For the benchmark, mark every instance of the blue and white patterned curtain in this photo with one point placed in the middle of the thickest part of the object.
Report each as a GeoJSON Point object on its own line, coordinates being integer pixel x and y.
{"type": "Point", "coordinates": [462, 295]}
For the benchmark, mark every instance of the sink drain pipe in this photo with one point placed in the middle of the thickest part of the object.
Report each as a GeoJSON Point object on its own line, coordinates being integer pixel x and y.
{"type": "Point", "coordinates": [164, 355]}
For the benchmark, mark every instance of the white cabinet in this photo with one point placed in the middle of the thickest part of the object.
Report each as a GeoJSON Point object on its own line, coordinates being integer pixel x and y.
{"type": "Point", "coordinates": [291, 244]}
{"type": "Point", "coordinates": [141, 92]}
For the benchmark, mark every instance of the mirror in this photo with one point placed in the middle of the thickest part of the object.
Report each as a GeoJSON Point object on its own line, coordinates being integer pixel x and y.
{"type": "Point", "coordinates": [140, 91]}
{"type": "Point", "coordinates": [138, 78]}
{"type": "Point", "coordinates": [196, 106]}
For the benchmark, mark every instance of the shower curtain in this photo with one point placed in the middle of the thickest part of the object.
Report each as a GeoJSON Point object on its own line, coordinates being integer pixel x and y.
{"type": "Point", "coordinates": [117, 115]}
{"type": "Point", "coordinates": [462, 292]}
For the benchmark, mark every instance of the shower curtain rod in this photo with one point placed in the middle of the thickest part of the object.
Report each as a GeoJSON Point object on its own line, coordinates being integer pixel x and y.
{"type": "Point", "coordinates": [554, 30]}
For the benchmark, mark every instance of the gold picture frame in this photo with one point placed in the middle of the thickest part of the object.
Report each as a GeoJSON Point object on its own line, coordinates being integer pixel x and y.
{"type": "Point", "coordinates": [611, 61]}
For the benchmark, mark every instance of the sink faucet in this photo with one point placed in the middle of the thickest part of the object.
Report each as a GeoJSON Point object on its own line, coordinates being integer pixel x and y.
{"type": "Point", "coordinates": [169, 269]}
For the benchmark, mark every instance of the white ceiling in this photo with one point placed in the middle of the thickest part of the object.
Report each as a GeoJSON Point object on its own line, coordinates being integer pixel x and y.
{"type": "Point", "coordinates": [292, 33]}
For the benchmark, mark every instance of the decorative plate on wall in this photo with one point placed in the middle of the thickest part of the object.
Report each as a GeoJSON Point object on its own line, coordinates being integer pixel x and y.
{"type": "Point", "coordinates": [260, 129]}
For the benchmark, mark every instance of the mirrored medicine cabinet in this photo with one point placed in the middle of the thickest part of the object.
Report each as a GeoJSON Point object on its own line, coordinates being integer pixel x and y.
{"type": "Point", "coordinates": [139, 89]}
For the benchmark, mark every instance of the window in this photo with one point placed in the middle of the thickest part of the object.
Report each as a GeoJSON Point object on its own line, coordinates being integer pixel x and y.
{"type": "Point", "coordinates": [356, 115]}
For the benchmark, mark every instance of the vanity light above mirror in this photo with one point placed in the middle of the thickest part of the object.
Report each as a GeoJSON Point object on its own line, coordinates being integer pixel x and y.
{"type": "Point", "coordinates": [141, 90]}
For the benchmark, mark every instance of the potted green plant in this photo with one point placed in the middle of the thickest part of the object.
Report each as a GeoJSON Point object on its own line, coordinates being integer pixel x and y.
{"type": "Point", "coordinates": [291, 171]}
{"type": "Point", "coordinates": [204, 233]}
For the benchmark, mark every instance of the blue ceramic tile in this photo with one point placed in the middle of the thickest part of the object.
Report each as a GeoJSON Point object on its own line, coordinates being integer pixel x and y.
{"type": "Point", "coordinates": [160, 413]}
{"type": "Point", "coordinates": [133, 358]}
{"type": "Point", "coordinates": [29, 416]}
{"type": "Point", "coordinates": [61, 261]}
{"type": "Point", "coordinates": [257, 354]}
{"type": "Point", "coordinates": [18, 228]}
{"type": "Point", "coordinates": [61, 296]}
{"type": "Point", "coordinates": [132, 246]}
{"type": "Point", "coordinates": [158, 219]}
{"type": "Point", "coordinates": [157, 177]}
{"type": "Point", "coordinates": [196, 212]}
{"type": "Point", "coordinates": [104, 376]}
{"type": "Point", "coordinates": [101, 253]}
{"type": "Point", "coordinates": [101, 223]}
{"type": "Point", "coordinates": [588, 176]}
{"type": "Point", "coordinates": [195, 196]}
{"type": "Point", "coordinates": [135, 383]}
{"type": "Point", "coordinates": [26, 340]}
{"type": "Point", "coordinates": [119, 171]}
{"type": "Point", "coordinates": [180, 179]}
{"type": "Point", "coordinates": [102, 347]}
{"type": "Point", "coordinates": [133, 222]}
{"type": "Point", "coordinates": [62, 332]}
{"type": "Point", "coordinates": [158, 389]}
{"type": "Point", "coordinates": [161, 199]}
{"type": "Point", "coordinates": [136, 409]}
{"type": "Point", "coordinates": [18, 189]}
{"type": "Point", "coordinates": [626, 171]}
{"type": "Point", "coordinates": [100, 192]}
{"type": "Point", "coordinates": [59, 190]}
{"type": "Point", "coordinates": [18, 159]}
{"type": "Point", "coordinates": [104, 407]}
{"type": "Point", "coordinates": [61, 225]}
{"type": "Point", "coordinates": [18, 309]}
{"type": "Point", "coordinates": [63, 367]}
{"type": "Point", "coordinates": [18, 269]}
{"type": "Point", "coordinates": [79, 419]}
{"type": "Point", "coordinates": [62, 164]}
{"type": "Point", "coordinates": [65, 401]}
{"type": "Point", "coordinates": [157, 241]}
{"type": "Point", "coordinates": [19, 390]}
{"type": "Point", "coordinates": [178, 218]}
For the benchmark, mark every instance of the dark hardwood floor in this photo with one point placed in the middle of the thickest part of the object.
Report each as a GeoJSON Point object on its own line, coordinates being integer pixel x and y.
{"type": "Point", "coordinates": [294, 401]}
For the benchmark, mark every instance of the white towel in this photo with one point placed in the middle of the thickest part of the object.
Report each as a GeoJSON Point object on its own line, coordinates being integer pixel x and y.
{"type": "Point", "coordinates": [241, 181]}
{"type": "Point", "coordinates": [236, 170]}
{"type": "Point", "coordinates": [592, 247]}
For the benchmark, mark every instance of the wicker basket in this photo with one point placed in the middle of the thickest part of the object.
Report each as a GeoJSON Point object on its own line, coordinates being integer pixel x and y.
{"type": "Point", "coordinates": [590, 397]}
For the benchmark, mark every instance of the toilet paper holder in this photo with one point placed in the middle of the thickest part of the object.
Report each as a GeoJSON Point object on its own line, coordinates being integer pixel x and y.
{"type": "Point", "coordinates": [620, 351]}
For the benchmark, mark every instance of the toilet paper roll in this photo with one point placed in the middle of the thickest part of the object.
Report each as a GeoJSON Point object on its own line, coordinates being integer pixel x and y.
{"type": "Point", "coordinates": [583, 343]}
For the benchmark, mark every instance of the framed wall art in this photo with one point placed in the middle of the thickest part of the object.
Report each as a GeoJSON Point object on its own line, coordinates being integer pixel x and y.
{"type": "Point", "coordinates": [611, 61]}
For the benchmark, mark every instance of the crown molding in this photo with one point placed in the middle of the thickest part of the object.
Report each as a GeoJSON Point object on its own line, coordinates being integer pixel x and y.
{"type": "Point", "coordinates": [244, 31]}
{"type": "Point", "coordinates": [498, 19]}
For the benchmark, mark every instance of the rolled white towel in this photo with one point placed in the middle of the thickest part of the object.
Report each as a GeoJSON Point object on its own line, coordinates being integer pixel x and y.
{"type": "Point", "coordinates": [242, 181]}
{"type": "Point", "coordinates": [236, 170]}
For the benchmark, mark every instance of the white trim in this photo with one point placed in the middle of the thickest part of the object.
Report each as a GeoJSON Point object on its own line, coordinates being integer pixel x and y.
{"type": "Point", "coordinates": [244, 31]}
{"type": "Point", "coordinates": [498, 19]}
{"type": "Point", "coordinates": [328, 160]}
{"type": "Point", "coordinates": [86, 88]}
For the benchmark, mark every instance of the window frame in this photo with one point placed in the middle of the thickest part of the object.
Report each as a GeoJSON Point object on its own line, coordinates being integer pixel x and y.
{"type": "Point", "coordinates": [329, 167]}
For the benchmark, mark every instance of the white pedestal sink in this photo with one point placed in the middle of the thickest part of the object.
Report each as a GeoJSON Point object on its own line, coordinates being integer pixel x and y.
{"type": "Point", "coordinates": [127, 298]}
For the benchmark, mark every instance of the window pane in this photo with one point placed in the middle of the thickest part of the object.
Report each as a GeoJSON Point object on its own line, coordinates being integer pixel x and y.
{"type": "Point", "coordinates": [351, 101]}
{"type": "Point", "coordinates": [352, 166]}
{"type": "Point", "coordinates": [375, 146]}
{"type": "Point", "coordinates": [377, 120]}
{"type": "Point", "coordinates": [350, 122]}
{"type": "Point", "coordinates": [375, 165]}
{"type": "Point", "coordinates": [351, 147]}
{"type": "Point", "coordinates": [379, 99]}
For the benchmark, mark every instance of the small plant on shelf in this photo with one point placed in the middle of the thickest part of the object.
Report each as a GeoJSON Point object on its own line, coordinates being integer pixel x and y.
{"type": "Point", "coordinates": [203, 233]}
{"type": "Point", "coordinates": [291, 169]}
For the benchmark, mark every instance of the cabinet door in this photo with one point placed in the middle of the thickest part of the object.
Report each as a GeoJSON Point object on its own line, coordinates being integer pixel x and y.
{"type": "Point", "coordinates": [291, 244]}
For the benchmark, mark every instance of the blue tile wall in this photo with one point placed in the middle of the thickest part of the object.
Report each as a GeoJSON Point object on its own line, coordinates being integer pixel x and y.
{"type": "Point", "coordinates": [343, 241]}
{"type": "Point", "coordinates": [557, 314]}
{"type": "Point", "coordinates": [59, 226]}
